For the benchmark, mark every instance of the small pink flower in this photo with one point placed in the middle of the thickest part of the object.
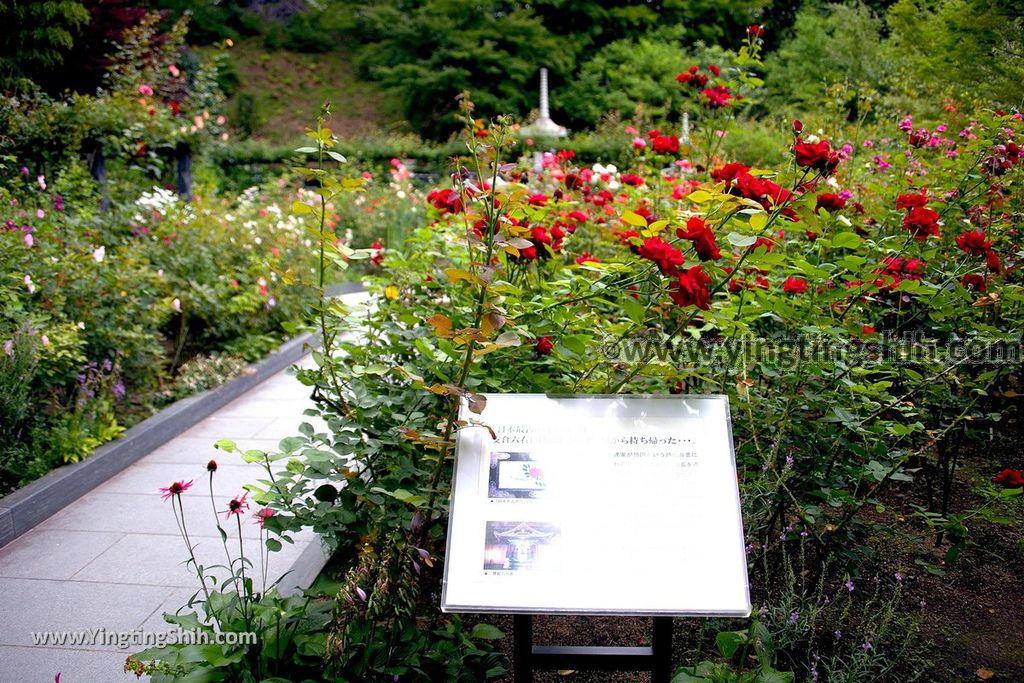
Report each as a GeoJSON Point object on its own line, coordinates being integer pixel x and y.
{"type": "Point", "coordinates": [174, 70]}
{"type": "Point", "coordinates": [145, 90]}
{"type": "Point", "coordinates": [175, 489]}
{"type": "Point", "coordinates": [261, 516]}
{"type": "Point", "coordinates": [41, 181]}
{"type": "Point", "coordinates": [40, 213]}
{"type": "Point", "coordinates": [237, 504]}
{"type": "Point", "coordinates": [28, 239]}
{"type": "Point", "coordinates": [44, 339]}
{"type": "Point", "coordinates": [639, 143]}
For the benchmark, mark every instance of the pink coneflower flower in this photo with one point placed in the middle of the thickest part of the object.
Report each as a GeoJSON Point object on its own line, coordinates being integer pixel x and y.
{"type": "Point", "coordinates": [237, 504]}
{"type": "Point", "coordinates": [261, 516]}
{"type": "Point", "coordinates": [175, 489]}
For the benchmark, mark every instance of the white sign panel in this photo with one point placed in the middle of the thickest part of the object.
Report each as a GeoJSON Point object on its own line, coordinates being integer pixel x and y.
{"type": "Point", "coordinates": [597, 505]}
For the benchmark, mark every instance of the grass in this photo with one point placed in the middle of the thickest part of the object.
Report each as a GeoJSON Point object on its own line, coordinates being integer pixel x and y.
{"type": "Point", "coordinates": [283, 92]}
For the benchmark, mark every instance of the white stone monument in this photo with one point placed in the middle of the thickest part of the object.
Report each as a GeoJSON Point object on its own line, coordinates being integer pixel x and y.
{"type": "Point", "coordinates": [544, 126]}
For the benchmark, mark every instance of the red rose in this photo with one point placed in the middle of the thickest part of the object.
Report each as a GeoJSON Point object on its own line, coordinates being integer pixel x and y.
{"type": "Point", "coordinates": [537, 199]}
{"type": "Point", "coordinates": [755, 31]}
{"type": "Point", "coordinates": [376, 253]}
{"type": "Point", "coordinates": [578, 216]}
{"type": "Point", "coordinates": [684, 77]}
{"type": "Point", "coordinates": [662, 253]}
{"type": "Point", "coordinates": [868, 329]}
{"type": "Point", "coordinates": [974, 242]}
{"type": "Point", "coordinates": [816, 156]}
{"type": "Point", "coordinates": [587, 257]}
{"type": "Point", "coordinates": [665, 144]}
{"type": "Point", "coordinates": [729, 172]}
{"type": "Point", "coordinates": [922, 222]}
{"type": "Point", "coordinates": [543, 346]}
{"type": "Point", "coordinates": [974, 281]}
{"type": "Point", "coordinates": [703, 239]}
{"type": "Point", "coordinates": [794, 285]}
{"type": "Point", "coordinates": [1011, 479]}
{"type": "Point", "coordinates": [912, 201]}
{"type": "Point", "coordinates": [992, 261]}
{"type": "Point", "coordinates": [691, 289]}
{"type": "Point", "coordinates": [716, 98]}
{"type": "Point", "coordinates": [632, 179]}
{"type": "Point", "coordinates": [798, 126]}
{"type": "Point", "coordinates": [830, 202]}
{"type": "Point", "coordinates": [446, 201]}
{"type": "Point", "coordinates": [714, 69]}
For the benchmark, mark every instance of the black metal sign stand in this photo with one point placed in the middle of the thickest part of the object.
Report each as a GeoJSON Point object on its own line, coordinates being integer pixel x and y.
{"type": "Point", "coordinates": [528, 657]}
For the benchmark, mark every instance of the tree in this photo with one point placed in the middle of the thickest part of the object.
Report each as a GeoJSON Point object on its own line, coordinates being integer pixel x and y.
{"type": "Point", "coordinates": [973, 47]}
{"type": "Point", "coordinates": [430, 54]}
{"type": "Point", "coordinates": [37, 37]}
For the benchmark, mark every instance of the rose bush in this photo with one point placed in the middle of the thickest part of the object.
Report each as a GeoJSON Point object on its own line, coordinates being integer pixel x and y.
{"type": "Point", "coordinates": [856, 307]}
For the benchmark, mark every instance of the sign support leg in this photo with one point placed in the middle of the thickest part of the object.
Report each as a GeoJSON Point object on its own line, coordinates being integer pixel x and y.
{"type": "Point", "coordinates": [522, 637]}
{"type": "Point", "coordinates": [661, 649]}
{"type": "Point", "coordinates": [527, 657]}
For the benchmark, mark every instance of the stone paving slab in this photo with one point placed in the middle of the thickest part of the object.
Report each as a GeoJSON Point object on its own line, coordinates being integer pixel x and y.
{"type": "Point", "coordinates": [113, 559]}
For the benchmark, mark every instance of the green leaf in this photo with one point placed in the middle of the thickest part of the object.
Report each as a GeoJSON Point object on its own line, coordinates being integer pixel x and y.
{"type": "Point", "coordinates": [486, 632]}
{"type": "Point", "coordinates": [847, 240]}
{"type": "Point", "coordinates": [337, 157]}
{"type": "Point", "coordinates": [634, 219]}
{"type": "Point", "coordinates": [729, 642]}
{"type": "Point", "coordinates": [738, 240]}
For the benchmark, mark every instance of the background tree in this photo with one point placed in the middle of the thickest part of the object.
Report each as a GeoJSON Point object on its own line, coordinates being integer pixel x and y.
{"type": "Point", "coordinates": [37, 36]}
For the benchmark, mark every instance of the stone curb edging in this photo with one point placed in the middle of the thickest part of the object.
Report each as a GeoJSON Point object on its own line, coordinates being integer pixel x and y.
{"type": "Point", "coordinates": [44, 497]}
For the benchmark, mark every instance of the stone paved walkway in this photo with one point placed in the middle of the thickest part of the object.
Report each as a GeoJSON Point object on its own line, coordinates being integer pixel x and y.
{"type": "Point", "coordinates": [114, 560]}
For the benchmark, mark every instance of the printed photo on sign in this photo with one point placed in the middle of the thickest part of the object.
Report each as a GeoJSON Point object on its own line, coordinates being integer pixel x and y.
{"type": "Point", "coordinates": [517, 546]}
{"type": "Point", "coordinates": [515, 475]}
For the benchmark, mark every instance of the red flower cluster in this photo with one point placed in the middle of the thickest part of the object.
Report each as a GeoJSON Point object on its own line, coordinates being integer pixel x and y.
{"type": "Point", "coordinates": [694, 77]}
{"type": "Point", "coordinates": [662, 253]}
{"type": "Point", "coordinates": [691, 288]}
{"type": "Point", "coordinates": [762, 190]}
{"type": "Point", "coordinates": [664, 144]}
{"type": "Point", "coordinates": [632, 179]}
{"type": "Point", "coordinates": [896, 269]}
{"type": "Point", "coordinates": [1011, 479]}
{"type": "Point", "coordinates": [922, 222]}
{"type": "Point", "coordinates": [445, 201]}
{"type": "Point", "coordinates": [543, 346]}
{"type": "Point", "coordinates": [817, 156]}
{"type": "Point", "coordinates": [973, 281]}
{"type": "Point", "coordinates": [974, 242]}
{"type": "Point", "coordinates": [794, 285]}
{"type": "Point", "coordinates": [703, 239]}
{"type": "Point", "coordinates": [912, 201]}
{"type": "Point", "coordinates": [830, 202]}
{"type": "Point", "coordinates": [716, 97]}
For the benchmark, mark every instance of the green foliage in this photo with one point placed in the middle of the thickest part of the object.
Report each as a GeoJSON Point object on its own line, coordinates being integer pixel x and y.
{"type": "Point", "coordinates": [625, 76]}
{"type": "Point", "coordinates": [428, 55]}
{"type": "Point", "coordinates": [830, 44]}
{"type": "Point", "coordinates": [37, 37]}
{"type": "Point", "coordinates": [968, 48]}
